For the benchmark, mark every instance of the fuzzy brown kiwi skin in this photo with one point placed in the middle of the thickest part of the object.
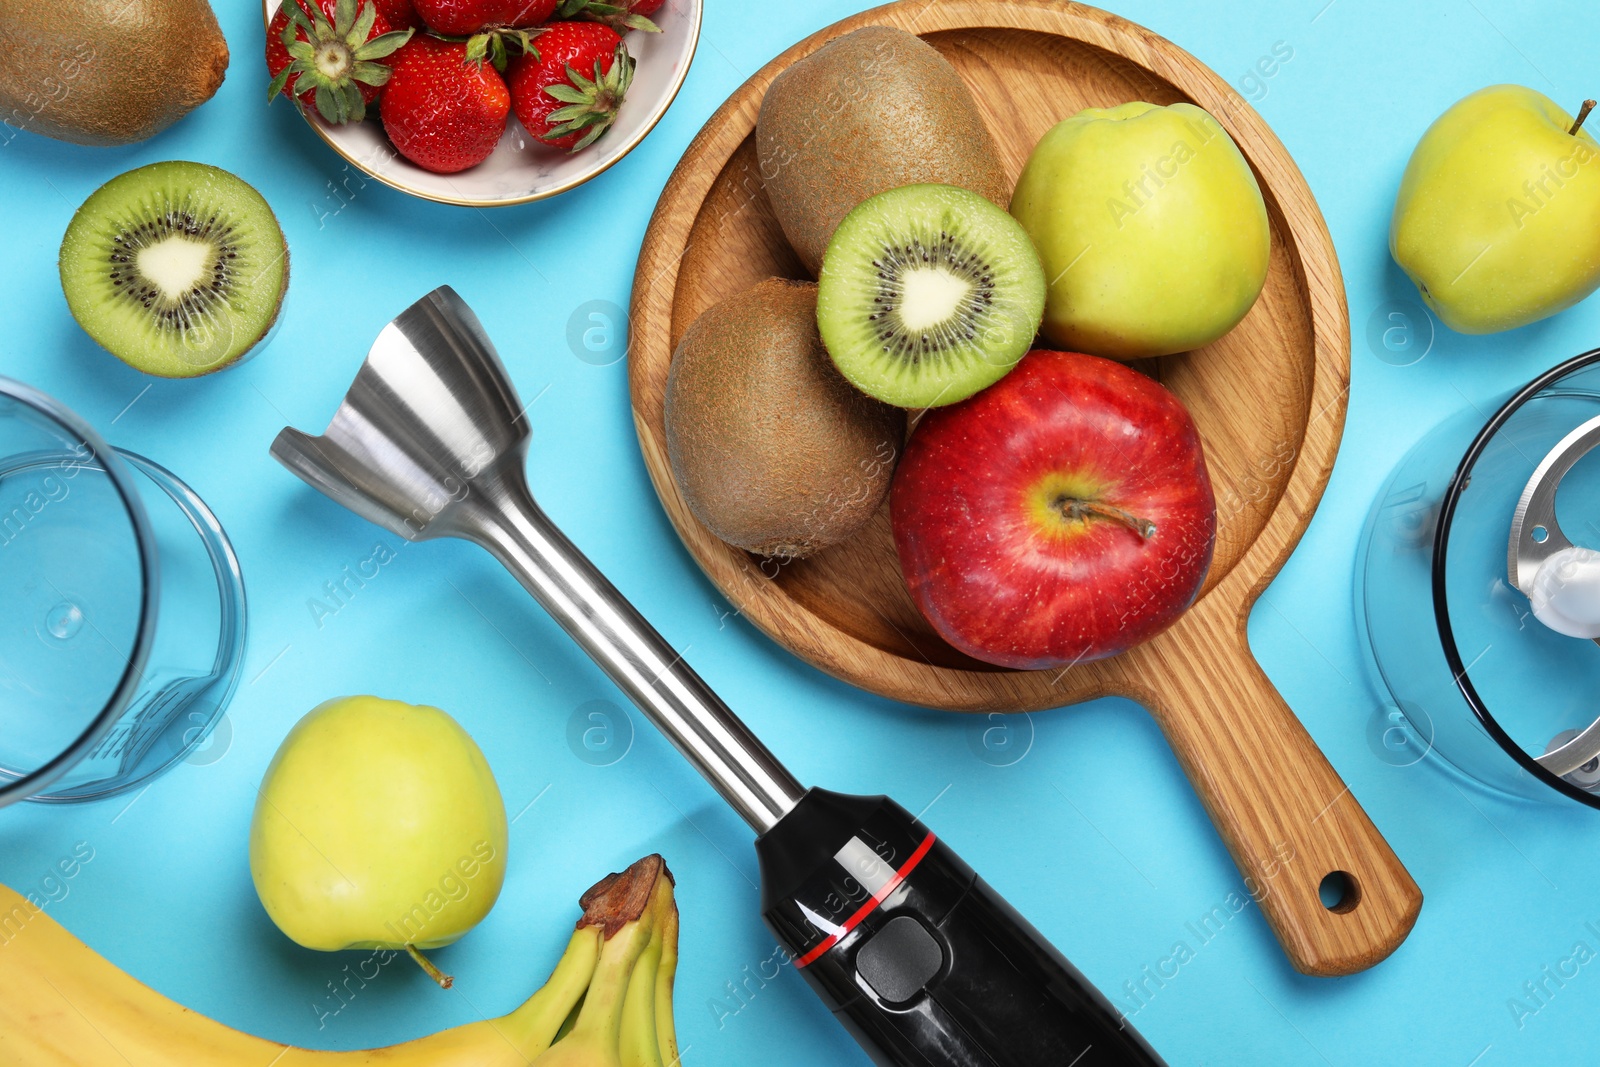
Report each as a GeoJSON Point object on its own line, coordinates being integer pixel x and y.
{"type": "Point", "coordinates": [873, 110]}
{"type": "Point", "coordinates": [772, 449]}
{"type": "Point", "coordinates": [69, 72]}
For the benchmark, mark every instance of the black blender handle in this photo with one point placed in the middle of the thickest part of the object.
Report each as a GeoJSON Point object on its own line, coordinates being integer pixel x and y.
{"type": "Point", "coordinates": [923, 962]}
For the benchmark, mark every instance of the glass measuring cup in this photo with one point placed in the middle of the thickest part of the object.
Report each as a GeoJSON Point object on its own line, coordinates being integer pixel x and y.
{"type": "Point", "coordinates": [96, 546]}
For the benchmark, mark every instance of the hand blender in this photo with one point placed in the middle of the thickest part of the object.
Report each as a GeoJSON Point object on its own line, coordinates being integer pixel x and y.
{"type": "Point", "coordinates": [919, 958]}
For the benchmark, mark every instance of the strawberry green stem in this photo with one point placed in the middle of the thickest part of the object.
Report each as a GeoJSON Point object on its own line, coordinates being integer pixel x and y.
{"type": "Point", "coordinates": [591, 104]}
{"type": "Point", "coordinates": [327, 59]}
{"type": "Point", "coordinates": [617, 16]}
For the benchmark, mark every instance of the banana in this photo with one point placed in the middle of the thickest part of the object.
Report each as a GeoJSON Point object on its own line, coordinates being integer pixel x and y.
{"type": "Point", "coordinates": [639, 1044]}
{"type": "Point", "coordinates": [595, 1039]}
{"type": "Point", "coordinates": [666, 1030]}
{"type": "Point", "coordinates": [63, 1005]}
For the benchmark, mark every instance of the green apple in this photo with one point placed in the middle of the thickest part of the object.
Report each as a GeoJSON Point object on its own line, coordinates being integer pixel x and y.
{"type": "Point", "coordinates": [1498, 217]}
{"type": "Point", "coordinates": [378, 825]}
{"type": "Point", "coordinates": [1151, 227]}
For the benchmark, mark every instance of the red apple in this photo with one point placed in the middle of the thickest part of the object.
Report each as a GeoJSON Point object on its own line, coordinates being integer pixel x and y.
{"type": "Point", "coordinates": [1059, 516]}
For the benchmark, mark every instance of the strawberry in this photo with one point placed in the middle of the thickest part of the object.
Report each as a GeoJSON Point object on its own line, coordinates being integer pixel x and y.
{"type": "Point", "coordinates": [402, 15]}
{"type": "Point", "coordinates": [463, 18]}
{"type": "Point", "coordinates": [323, 56]}
{"type": "Point", "coordinates": [442, 111]}
{"type": "Point", "coordinates": [553, 91]}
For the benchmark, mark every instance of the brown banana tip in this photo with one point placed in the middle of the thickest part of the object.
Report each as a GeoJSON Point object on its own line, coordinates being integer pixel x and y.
{"type": "Point", "coordinates": [619, 899]}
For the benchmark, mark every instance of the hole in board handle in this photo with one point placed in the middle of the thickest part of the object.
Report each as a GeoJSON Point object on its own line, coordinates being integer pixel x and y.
{"type": "Point", "coordinates": [1339, 892]}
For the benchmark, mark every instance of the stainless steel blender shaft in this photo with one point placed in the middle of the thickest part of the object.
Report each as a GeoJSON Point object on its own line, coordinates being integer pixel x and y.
{"type": "Point", "coordinates": [431, 442]}
{"type": "Point", "coordinates": [643, 665]}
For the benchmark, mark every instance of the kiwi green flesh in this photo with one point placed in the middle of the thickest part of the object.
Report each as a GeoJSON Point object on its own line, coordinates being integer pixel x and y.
{"type": "Point", "coordinates": [178, 269]}
{"type": "Point", "coordinates": [928, 293]}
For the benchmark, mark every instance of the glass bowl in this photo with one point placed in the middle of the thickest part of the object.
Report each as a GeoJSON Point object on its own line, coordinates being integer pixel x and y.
{"type": "Point", "coordinates": [1473, 677]}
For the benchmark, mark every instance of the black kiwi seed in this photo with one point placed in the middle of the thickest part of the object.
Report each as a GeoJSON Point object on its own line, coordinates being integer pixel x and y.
{"type": "Point", "coordinates": [181, 311]}
{"type": "Point", "coordinates": [962, 262]}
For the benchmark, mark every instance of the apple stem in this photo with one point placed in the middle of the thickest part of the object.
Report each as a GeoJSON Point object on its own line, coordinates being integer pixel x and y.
{"type": "Point", "coordinates": [1583, 113]}
{"type": "Point", "coordinates": [1076, 510]}
{"type": "Point", "coordinates": [429, 968]}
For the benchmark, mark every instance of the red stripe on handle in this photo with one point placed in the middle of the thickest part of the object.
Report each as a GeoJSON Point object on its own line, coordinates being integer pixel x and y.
{"type": "Point", "coordinates": [870, 906]}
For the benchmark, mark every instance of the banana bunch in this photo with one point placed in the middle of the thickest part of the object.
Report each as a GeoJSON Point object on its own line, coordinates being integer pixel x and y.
{"type": "Point", "coordinates": [607, 1004]}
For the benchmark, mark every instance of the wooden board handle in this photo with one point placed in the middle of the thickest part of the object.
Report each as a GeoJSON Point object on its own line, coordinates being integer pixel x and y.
{"type": "Point", "coordinates": [1286, 815]}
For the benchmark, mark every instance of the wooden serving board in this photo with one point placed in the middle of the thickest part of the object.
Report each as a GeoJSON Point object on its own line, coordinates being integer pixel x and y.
{"type": "Point", "coordinates": [1269, 399]}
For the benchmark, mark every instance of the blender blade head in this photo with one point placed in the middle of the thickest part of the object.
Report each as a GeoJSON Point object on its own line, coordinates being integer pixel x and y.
{"type": "Point", "coordinates": [431, 413]}
{"type": "Point", "coordinates": [1536, 542]}
{"type": "Point", "coordinates": [1535, 533]}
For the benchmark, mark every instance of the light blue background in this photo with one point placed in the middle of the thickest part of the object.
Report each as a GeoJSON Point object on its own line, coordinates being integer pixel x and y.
{"type": "Point", "coordinates": [1094, 833]}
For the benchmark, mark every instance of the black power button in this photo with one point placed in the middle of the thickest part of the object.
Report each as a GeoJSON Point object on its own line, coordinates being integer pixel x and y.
{"type": "Point", "coordinates": [899, 959]}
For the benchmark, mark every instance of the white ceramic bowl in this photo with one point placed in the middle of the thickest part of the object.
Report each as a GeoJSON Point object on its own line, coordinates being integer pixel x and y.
{"type": "Point", "coordinates": [521, 169]}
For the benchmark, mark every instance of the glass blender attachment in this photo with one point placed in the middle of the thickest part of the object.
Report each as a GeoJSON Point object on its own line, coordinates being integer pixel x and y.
{"type": "Point", "coordinates": [1478, 592]}
{"type": "Point", "coordinates": [96, 698]}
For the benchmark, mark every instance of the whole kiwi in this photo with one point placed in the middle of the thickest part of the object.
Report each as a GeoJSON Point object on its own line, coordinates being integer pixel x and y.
{"type": "Point", "coordinates": [773, 451]}
{"type": "Point", "coordinates": [873, 110]}
{"type": "Point", "coordinates": [106, 72]}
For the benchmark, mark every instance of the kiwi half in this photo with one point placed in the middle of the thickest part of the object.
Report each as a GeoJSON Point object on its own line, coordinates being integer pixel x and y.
{"type": "Point", "coordinates": [177, 269]}
{"type": "Point", "coordinates": [927, 294]}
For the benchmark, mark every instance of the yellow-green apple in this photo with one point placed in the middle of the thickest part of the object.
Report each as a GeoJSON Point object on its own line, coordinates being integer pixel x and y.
{"type": "Point", "coordinates": [1498, 217]}
{"type": "Point", "coordinates": [378, 825]}
{"type": "Point", "coordinates": [1151, 227]}
{"type": "Point", "coordinates": [1060, 516]}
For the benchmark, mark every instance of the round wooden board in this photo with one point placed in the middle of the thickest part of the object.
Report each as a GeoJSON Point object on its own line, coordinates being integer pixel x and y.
{"type": "Point", "coordinates": [1269, 399]}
